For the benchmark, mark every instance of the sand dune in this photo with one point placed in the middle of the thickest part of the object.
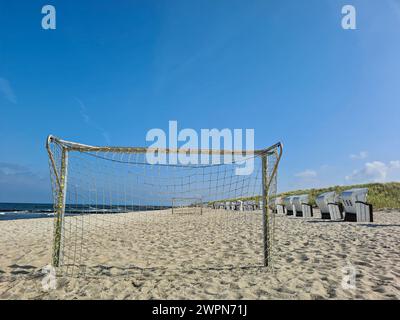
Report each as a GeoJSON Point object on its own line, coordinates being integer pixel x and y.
{"type": "Point", "coordinates": [217, 255]}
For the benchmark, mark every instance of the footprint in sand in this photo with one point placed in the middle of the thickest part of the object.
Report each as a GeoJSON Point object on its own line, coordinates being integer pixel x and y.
{"type": "Point", "coordinates": [303, 257]}
{"type": "Point", "coordinates": [16, 266]}
{"type": "Point", "coordinates": [16, 272]}
{"type": "Point", "coordinates": [289, 260]}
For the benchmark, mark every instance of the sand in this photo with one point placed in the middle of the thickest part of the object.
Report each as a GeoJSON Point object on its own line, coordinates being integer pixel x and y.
{"type": "Point", "coordinates": [216, 255]}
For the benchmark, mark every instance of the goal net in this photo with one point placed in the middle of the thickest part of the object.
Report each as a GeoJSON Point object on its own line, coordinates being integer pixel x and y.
{"type": "Point", "coordinates": [116, 212]}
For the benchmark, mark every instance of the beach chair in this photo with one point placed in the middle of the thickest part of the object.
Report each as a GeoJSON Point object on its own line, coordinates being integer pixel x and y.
{"type": "Point", "coordinates": [280, 207]}
{"type": "Point", "coordinates": [335, 211]}
{"type": "Point", "coordinates": [364, 212]}
{"type": "Point", "coordinates": [296, 203]}
{"type": "Point", "coordinates": [288, 205]}
{"type": "Point", "coordinates": [233, 206]}
{"type": "Point", "coordinates": [355, 205]}
{"type": "Point", "coordinates": [306, 208]}
{"type": "Point", "coordinates": [247, 205]}
{"type": "Point", "coordinates": [300, 202]}
{"type": "Point", "coordinates": [322, 202]}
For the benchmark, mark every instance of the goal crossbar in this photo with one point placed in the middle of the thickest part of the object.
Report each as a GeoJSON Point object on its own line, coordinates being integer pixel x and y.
{"type": "Point", "coordinates": [73, 146]}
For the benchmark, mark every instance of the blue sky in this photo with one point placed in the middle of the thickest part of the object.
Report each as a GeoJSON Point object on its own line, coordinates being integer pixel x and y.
{"type": "Point", "coordinates": [112, 70]}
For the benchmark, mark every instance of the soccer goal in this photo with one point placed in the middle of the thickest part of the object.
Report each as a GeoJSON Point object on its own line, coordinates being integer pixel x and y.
{"type": "Point", "coordinates": [116, 212]}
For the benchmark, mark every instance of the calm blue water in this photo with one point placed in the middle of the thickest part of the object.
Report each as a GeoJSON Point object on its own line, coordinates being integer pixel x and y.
{"type": "Point", "coordinates": [13, 211]}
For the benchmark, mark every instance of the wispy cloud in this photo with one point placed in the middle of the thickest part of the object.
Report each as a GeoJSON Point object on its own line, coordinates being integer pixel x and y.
{"type": "Point", "coordinates": [306, 174]}
{"type": "Point", "coordinates": [395, 164]}
{"type": "Point", "coordinates": [395, 5]}
{"type": "Point", "coordinates": [6, 91]}
{"type": "Point", "coordinates": [359, 156]}
{"type": "Point", "coordinates": [305, 179]}
{"type": "Point", "coordinates": [88, 120]}
{"type": "Point", "coordinates": [8, 169]}
{"type": "Point", "coordinates": [83, 112]}
{"type": "Point", "coordinates": [376, 171]}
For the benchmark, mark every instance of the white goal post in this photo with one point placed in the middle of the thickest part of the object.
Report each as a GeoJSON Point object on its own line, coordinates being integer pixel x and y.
{"type": "Point", "coordinates": [111, 199]}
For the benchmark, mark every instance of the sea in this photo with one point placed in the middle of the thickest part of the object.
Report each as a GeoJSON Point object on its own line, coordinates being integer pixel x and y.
{"type": "Point", "coordinates": [14, 211]}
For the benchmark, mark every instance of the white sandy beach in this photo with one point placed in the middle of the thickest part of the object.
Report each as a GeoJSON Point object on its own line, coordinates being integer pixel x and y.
{"type": "Point", "coordinates": [212, 256]}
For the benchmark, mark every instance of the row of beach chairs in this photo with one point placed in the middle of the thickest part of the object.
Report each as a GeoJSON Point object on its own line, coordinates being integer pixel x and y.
{"type": "Point", "coordinates": [350, 205]}
{"type": "Point", "coordinates": [239, 205]}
